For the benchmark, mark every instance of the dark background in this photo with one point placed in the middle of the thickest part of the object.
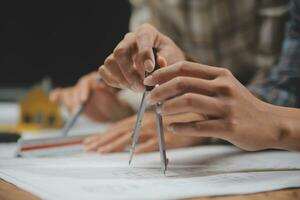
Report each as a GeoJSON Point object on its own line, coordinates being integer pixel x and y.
{"type": "Point", "coordinates": [63, 40]}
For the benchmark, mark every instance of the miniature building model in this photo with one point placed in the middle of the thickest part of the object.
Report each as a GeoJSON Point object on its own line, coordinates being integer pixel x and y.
{"type": "Point", "coordinates": [38, 112]}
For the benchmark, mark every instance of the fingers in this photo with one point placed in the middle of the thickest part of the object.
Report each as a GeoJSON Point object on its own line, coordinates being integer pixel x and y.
{"type": "Point", "coordinates": [178, 86]}
{"type": "Point", "coordinates": [55, 95]}
{"type": "Point", "coordinates": [91, 139]}
{"type": "Point", "coordinates": [148, 146]}
{"type": "Point", "coordinates": [207, 128]}
{"type": "Point", "coordinates": [84, 92]}
{"type": "Point", "coordinates": [120, 144]}
{"type": "Point", "coordinates": [116, 131]}
{"type": "Point", "coordinates": [124, 53]}
{"type": "Point", "coordinates": [114, 70]}
{"type": "Point", "coordinates": [71, 97]}
{"type": "Point", "coordinates": [145, 38]}
{"type": "Point", "coordinates": [161, 61]}
{"type": "Point", "coordinates": [181, 69]}
{"type": "Point", "coordinates": [65, 97]}
{"type": "Point", "coordinates": [117, 144]}
{"type": "Point", "coordinates": [131, 58]}
{"type": "Point", "coordinates": [118, 137]}
{"type": "Point", "coordinates": [192, 103]}
{"type": "Point", "coordinates": [110, 79]}
{"type": "Point", "coordinates": [93, 143]}
{"type": "Point", "coordinates": [85, 86]}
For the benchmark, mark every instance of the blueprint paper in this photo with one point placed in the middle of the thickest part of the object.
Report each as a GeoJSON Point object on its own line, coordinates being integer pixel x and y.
{"type": "Point", "coordinates": [193, 172]}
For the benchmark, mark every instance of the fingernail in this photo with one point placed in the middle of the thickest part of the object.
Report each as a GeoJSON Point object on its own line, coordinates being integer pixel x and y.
{"type": "Point", "coordinates": [149, 66]}
{"type": "Point", "coordinates": [148, 80]}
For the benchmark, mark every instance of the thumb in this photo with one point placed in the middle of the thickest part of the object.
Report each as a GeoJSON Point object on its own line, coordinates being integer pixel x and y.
{"type": "Point", "coordinates": [146, 36]}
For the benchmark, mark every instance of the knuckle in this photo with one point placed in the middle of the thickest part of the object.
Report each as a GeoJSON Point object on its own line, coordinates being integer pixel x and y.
{"type": "Point", "coordinates": [225, 72]}
{"type": "Point", "coordinates": [142, 55]}
{"type": "Point", "coordinates": [229, 108]}
{"type": "Point", "coordinates": [145, 26]}
{"type": "Point", "coordinates": [181, 66]}
{"type": "Point", "coordinates": [228, 87]}
{"type": "Point", "coordinates": [129, 35]}
{"type": "Point", "coordinates": [231, 125]}
{"type": "Point", "coordinates": [224, 86]}
{"type": "Point", "coordinates": [230, 116]}
{"type": "Point", "coordinates": [109, 60]}
{"type": "Point", "coordinates": [188, 99]}
{"type": "Point", "coordinates": [145, 51]}
{"type": "Point", "coordinates": [101, 70]}
{"type": "Point", "coordinates": [198, 126]}
{"type": "Point", "coordinates": [120, 52]}
{"type": "Point", "coordinates": [155, 76]}
{"type": "Point", "coordinates": [155, 94]}
{"type": "Point", "coordinates": [145, 29]}
{"type": "Point", "coordinates": [180, 83]}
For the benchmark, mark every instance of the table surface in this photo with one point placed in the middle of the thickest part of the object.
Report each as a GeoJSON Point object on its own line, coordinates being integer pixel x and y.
{"type": "Point", "coordinates": [11, 192]}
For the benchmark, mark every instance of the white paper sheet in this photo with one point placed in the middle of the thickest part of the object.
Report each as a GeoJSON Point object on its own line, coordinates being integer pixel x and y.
{"type": "Point", "coordinates": [200, 171]}
{"type": "Point", "coordinates": [7, 150]}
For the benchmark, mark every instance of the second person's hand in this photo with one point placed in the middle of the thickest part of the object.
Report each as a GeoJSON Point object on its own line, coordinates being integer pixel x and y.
{"type": "Point", "coordinates": [118, 137]}
{"type": "Point", "coordinates": [102, 103]}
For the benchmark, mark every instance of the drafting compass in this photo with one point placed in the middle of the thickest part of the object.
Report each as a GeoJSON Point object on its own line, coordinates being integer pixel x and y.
{"type": "Point", "coordinates": [159, 124]}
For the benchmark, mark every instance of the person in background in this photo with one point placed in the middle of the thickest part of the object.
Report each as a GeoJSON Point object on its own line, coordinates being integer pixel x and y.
{"type": "Point", "coordinates": [244, 36]}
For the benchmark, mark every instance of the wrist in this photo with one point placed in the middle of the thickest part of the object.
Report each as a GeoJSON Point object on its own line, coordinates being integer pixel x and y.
{"type": "Point", "coordinates": [285, 121]}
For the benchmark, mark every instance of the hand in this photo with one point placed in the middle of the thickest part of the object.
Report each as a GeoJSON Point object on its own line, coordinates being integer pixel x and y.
{"type": "Point", "coordinates": [118, 137]}
{"type": "Point", "coordinates": [126, 66]}
{"type": "Point", "coordinates": [102, 101]}
{"type": "Point", "coordinates": [234, 114]}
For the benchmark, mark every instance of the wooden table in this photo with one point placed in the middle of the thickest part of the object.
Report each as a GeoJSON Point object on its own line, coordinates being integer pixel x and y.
{"type": "Point", "coordinates": [11, 192]}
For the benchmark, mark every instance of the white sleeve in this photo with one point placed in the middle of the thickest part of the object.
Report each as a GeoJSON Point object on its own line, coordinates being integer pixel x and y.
{"type": "Point", "coordinates": [140, 14]}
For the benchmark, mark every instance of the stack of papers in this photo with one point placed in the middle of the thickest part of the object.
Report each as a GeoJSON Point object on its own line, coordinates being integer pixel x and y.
{"type": "Point", "coordinates": [193, 172]}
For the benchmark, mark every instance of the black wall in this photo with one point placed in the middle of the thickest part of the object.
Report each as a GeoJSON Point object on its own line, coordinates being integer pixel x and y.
{"type": "Point", "coordinates": [61, 39]}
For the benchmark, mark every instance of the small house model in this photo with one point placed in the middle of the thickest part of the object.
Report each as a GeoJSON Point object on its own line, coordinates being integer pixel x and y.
{"type": "Point", "coordinates": [38, 112]}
